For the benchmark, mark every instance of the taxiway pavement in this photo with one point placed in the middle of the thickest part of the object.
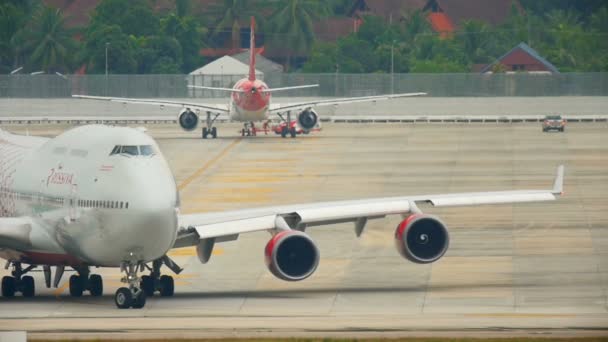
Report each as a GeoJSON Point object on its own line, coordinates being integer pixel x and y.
{"type": "Point", "coordinates": [521, 269]}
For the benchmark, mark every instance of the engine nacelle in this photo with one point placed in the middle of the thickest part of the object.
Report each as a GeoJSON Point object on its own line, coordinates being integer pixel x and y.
{"type": "Point", "coordinates": [422, 238]}
{"type": "Point", "coordinates": [188, 120]}
{"type": "Point", "coordinates": [291, 255]}
{"type": "Point", "coordinates": [308, 119]}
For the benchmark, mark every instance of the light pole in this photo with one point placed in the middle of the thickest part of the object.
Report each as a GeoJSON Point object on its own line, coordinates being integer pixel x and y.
{"type": "Point", "coordinates": [107, 44]}
{"type": "Point", "coordinates": [393, 67]}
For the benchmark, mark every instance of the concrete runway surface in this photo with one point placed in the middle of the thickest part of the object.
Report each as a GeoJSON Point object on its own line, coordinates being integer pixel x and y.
{"type": "Point", "coordinates": [570, 106]}
{"type": "Point", "coordinates": [527, 269]}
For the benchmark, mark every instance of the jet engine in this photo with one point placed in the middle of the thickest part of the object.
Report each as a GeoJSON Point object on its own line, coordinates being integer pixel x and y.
{"type": "Point", "coordinates": [422, 238]}
{"type": "Point", "coordinates": [188, 120]}
{"type": "Point", "coordinates": [291, 255]}
{"type": "Point", "coordinates": [308, 119]}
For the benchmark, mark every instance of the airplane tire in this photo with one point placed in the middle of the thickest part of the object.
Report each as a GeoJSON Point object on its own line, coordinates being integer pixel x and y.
{"type": "Point", "coordinates": [8, 287]}
{"type": "Point", "coordinates": [214, 132]}
{"type": "Point", "coordinates": [139, 300]}
{"type": "Point", "coordinates": [292, 132]}
{"type": "Point", "coordinates": [283, 132]}
{"type": "Point", "coordinates": [76, 286]}
{"type": "Point", "coordinates": [167, 286]}
{"type": "Point", "coordinates": [29, 287]}
{"type": "Point", "coordinates": [123, 298]}
{"type": "Point", "coordinates": [147, 285]}
{"type": "Point", "coordinates": [205, 133]}
{"type": "Point", "coordinates": [95, 285]}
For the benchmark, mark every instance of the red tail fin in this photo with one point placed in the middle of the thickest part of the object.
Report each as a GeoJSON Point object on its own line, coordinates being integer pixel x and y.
{"type": "Point", "coordinates": [252, 51]}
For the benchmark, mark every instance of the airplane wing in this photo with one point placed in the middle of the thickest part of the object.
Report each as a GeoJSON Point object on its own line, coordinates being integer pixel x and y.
{"type": "Point", "coordinates": [15, 232]}
{"type": "Point", "coordinates": [226, 226]}
{"type": "Point", "coordinates": [219, 109]}
{"type": "Point", "coordinates": [282, 108]}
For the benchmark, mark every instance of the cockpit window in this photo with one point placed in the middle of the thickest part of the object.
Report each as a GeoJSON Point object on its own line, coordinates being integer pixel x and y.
{"type": "Point", "coordinates": [146, 150]}
{"type": "Point", "coordinates": [132, 150]}
{"type": "Point", "coordinates": [129, 150]}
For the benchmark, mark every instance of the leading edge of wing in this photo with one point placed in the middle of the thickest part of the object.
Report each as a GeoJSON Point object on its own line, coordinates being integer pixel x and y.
{"type": "Point", "coordinates": [344, 100]}
{"type": "Point", "coordinates": [125, 100]}
{"type": "Point", "coordinates": [212, 225]}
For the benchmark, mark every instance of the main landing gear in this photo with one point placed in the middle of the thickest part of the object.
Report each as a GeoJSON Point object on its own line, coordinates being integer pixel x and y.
{"type": "Point", "coordinates": [210, 129]}
{"type": "Point", "coordinates": [18, 282]}
{"type": "Point", "coordinates": [288, 129]}
{"type": "Point", "coordinates": [84, 281]}
{"type": "Point", "coordinates": [139, 288]}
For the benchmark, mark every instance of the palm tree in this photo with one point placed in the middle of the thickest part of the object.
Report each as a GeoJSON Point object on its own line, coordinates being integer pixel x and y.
{"type": "Point", "coordinates": [293, 25]}
{"type": "Point", "coordinates": [563, 35]}
{"type": "Point", "coordinates": [475, 37]}
{"type": "Point", "coordinates": [233, 13]}
{"type": "Point", "coordinates": [45, 40]}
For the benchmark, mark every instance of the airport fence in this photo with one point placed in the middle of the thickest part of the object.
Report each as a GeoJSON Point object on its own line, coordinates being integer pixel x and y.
{"type": "Point", "coordinates": [176, 86]}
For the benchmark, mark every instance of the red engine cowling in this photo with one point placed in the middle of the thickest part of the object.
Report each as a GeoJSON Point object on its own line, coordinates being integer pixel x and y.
{"type": "Point", "coordinates": [422, 238]}
{"type": "Point", "coordinates": [291, 255]}
{"type": "Point", "coordinates": [188, 120]}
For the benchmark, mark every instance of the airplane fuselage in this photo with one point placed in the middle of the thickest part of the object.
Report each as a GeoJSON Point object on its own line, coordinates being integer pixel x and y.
{"type": "Point", "coordinates": [250, 101]}
{"type": "Point", "coordinates": [89, 203]}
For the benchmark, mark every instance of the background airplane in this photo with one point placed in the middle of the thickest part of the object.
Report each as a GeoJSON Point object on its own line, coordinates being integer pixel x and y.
{"type": "Point", "coordinates": [84, 199]}
{"type": "Point", "coordinates": [250, 103]}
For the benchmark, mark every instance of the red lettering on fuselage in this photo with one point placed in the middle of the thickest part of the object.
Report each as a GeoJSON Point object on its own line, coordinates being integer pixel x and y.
{"type": "Point", "coordinates": [59, 178]}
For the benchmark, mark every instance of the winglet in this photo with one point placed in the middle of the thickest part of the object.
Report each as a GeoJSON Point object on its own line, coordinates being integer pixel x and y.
{"type": "Point", "coordinates": [558, 183]}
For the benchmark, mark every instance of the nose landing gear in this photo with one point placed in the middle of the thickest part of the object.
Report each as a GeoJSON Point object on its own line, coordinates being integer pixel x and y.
{"type": "Point", "coordinates": [133, 296]}
{"type": "Point", "coordinates": [140, 288]}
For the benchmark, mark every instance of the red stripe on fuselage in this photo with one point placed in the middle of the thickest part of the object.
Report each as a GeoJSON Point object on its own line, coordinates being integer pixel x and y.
{"type": "Point", "coordinates": [38, 258]}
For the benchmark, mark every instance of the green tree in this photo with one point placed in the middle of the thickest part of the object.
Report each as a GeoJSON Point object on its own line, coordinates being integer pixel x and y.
{"type": "Point", "coordinates": [120, 47]}
{"type": "Point", "coordinates": [46, 42]}
{"type": "Point", "coordinates": [134, 17]}
{"type": "Point", "coordinates": [151, 50]}
{"type": "Point", "coordinates": [188, 31]}
{"type": "Point", "coordinates": [563, 40]}
{"type": "Point", "coordinates": [165, 65]}
{"type": "Point", "coordinates": [292, 24]}
{"type": "Point", "coordinates": [233, 12]}
{"type": "Point", "coordinates": [11, 19]}
{"type": "Point", "coordinates": [474, 37]}
{"type": "Point", "coordinates": [323, 58]}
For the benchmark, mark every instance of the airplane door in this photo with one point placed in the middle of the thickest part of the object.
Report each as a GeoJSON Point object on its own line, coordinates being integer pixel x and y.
{"type": "Point", "coordinates": [72, 202]}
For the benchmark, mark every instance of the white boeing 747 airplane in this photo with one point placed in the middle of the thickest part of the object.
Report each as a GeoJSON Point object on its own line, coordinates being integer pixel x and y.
{"type": "Point", "coordinates": [105, 196]}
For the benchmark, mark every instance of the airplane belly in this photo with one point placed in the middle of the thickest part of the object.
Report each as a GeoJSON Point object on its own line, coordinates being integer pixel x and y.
{"type": "Point", "coordinates": [244, 115]}
{"type": "Point", "coordinates": [105, 238]}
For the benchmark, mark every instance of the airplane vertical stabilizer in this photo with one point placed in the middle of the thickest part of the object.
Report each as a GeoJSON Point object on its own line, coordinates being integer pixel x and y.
{"type": "Point", "coordinates": [252, 51]}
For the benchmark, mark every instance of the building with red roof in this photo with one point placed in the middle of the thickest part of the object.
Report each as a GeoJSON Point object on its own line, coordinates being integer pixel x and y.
{"type": "Point", "coordinates": [521, 58]}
